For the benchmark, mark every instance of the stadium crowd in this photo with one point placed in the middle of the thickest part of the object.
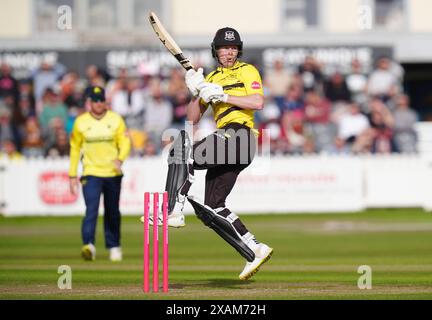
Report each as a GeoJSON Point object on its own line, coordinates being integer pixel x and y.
{"type": "Point", "coordinates": [307, 110]}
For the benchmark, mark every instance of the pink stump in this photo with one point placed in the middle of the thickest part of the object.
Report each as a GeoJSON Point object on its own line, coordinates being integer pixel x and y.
{"type": "Point", "coordinates": [146, 287]}
{"type": "Point", "coordinates": [165, 241]}
{"type": "Point", "coordinates": [155, 242]}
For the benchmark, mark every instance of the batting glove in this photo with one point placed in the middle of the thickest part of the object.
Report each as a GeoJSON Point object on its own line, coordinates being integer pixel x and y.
{"type": "Point", "coordinates": [193, 80]}
{"type": "Point", "coordinates": [212, 92]}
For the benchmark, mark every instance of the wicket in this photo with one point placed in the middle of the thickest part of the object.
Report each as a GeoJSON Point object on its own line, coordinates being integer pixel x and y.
{"type": "Point", "coordinates": [146, 284]}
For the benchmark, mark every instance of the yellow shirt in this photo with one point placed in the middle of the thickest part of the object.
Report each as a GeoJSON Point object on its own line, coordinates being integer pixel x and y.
{"type": "Point", "coordinates": [241, 79]}
{"type": "Point", "coordinates": [101, 142]}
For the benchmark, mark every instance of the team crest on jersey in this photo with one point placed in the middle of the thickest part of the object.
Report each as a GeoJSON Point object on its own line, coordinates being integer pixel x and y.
{"type": "Point", "coordinates": [229, 35]}
{"type": "Point", "coordinates": [255, 85]}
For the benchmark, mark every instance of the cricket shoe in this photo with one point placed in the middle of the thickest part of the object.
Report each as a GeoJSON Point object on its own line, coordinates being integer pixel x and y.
{"type": "Point", "coordinates": [262, 254]}
{"type": "Point", "coordinates": [175, 220]}
{"type": "Point", "coordinates": [88, 252]}
{"type": "Point", "coordinates": [116, 254]}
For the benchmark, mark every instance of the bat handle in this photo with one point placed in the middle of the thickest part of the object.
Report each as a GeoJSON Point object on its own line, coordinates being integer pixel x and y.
{"type": "Point", "coordinates": [214, 101]}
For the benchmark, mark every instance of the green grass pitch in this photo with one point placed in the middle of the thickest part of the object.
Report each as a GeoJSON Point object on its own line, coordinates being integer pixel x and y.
{"type": "Point", "coordinates": [316, 256]}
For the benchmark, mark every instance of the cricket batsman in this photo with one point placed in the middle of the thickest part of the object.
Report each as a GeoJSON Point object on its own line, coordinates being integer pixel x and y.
{"type": "Point", "coordinates": [234, 91]}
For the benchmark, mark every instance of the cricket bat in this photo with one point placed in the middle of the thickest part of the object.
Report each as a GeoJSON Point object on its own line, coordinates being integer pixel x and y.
{"type": "Point", "coordinates": [168, 41]}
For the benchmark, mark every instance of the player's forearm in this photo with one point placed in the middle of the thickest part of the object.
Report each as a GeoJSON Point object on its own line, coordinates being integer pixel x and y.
{"type": "Point", "coordinates": [124, 153]}
{"type": "Point", "coordinates": [194, 111]}
{"type": "Point", "coordinates": [74, 160]}
{"type": "Point", "coordinates": [75, 150]}
{"type": "Point", "coordinates": [125, 148]}
{"type": "Point", "coordinates": [252, 102]}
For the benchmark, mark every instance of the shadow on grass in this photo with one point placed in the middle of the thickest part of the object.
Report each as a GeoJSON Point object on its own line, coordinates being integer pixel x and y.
{"type": "Point", "coordinates": [214, 283]}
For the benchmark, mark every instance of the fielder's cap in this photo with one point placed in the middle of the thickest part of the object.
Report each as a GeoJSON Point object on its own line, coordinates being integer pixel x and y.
{"type": "Point", "coordinates": [97, 94]}
{"type": "Point", "coordinates": [227, 36]}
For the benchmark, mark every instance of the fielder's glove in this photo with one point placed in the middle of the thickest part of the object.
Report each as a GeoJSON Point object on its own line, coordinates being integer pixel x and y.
{"type": "Point", "coordinates": [193, 80]}
{"type": "Point", "coordinates": [212, 92]}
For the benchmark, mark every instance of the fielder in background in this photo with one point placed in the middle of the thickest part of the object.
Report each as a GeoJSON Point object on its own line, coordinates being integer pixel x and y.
{"type": "Point", "coordinates": [234, 91]}
{"type": "Point", "coordinates": [101, 135]}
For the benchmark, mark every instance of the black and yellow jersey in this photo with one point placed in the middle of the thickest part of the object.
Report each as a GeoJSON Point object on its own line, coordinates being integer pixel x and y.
{"type": "Point", "coordinates": [241, 79]}
{"type": "Point", "coordinates": [102, 141]}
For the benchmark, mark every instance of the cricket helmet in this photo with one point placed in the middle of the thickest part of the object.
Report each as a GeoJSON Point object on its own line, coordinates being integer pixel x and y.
{"type": "Point", "coordinates": [226, 37]}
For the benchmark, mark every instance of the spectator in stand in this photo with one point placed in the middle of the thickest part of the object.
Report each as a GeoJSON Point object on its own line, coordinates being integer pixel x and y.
{"type": "Point", "coordinates": [147, 71]}
{"type": "Point", "coordinates": [26, 102]}
{"type": "Point", "coordinates": [72, 92]}
{"type": "Point", "coordinates": [317, 117]}
{"type": "Point", "coordinates": [94, 77]}
{"type": "Point", "coordinates": [310, 72]}
{"type": "Point", "coordinates": [383, 83]}
{"type": "Point", "coordinates": [277, 81]}
{"type": "Point", "coordinates": [33, 144]}
{"type": "Point", "coordinates": [60, 146]}
{"type": "Point", "coordinates": [11, 121]}
{"type": "Point", "coordinates": [357, 83]}
{"type": "Point", "coordinates": [336, 89]}
{"type": "Point", "coordinates": [9, 151]}
{"type": "Point", "coordinates": [73, 113]}
{"type": "Point", "coordinates": [293, 100]}
{"type": "Point", "coordinates": [18, 123]}
{"type": "Point", "coordinates": [46, 76]}
{"type": "Point", "coordinates": [117, 93]}
{"type": "Point", "coordinates": [381, 122]}
{"type": "Point", "coordinates": [127, 99]}
{"type": "Point", "coordinates": [398, 71]}
{"type": "Point", "coordinates": [138, 141]}
{"type": "Point", "coordinates": [56, 126]}
{"type": "Point", "coordinates": [309, 147]}
{"type": "Point", "coordinates": [382, 134]}
{"type": "Point", "coordinates": [270, 129]}
{"type": "Point", "coordinates": [351, 125]}
{"type": "Point", "coordinates": [69, 93]}
{"type": "Point", "coordinates": [6, 131]}
{"type": "Point", "coordinates": [317, 108]}
{"type": "Point", "coordinates": [405, 136]}
{"type": "Point", "coordinates": [8, 84]}
{"type": "Point", "coordinates": [377, 106]}
{"type": "Point", "coordinates": [158, 114]}
{"type": "Point", "coordinates": [176, 82]}
{"type": "Point", "coordinates": [135, 115]}
{"type": "Point", "coordinates": [179, 102]}
{"type": "Point", "coordinates": [52, 107]}
{"type": "Point", "coordinates": [293, 132]}
{"type": "Point", "coordinates": [150, 149]}
{"type": "Point", "coordinates": [340, 147]}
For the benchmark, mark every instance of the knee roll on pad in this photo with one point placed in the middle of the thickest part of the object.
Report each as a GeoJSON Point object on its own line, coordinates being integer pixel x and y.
{"type": "Point", "coordinates": [223, 227]}
{"type": "Point", "coordinates": [180, 170]}
{"type": "Point", "coordinates": [176, 178]}
{"type": "Point", "coordinates": [181, 149]}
